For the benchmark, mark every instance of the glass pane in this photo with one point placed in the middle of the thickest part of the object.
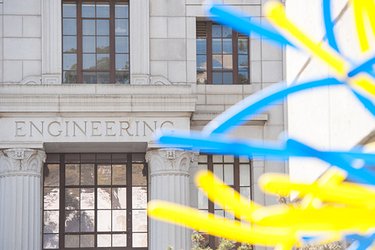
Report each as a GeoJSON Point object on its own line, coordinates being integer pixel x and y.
{"type": "Point", "coordinates": [217, 78]}
{"type": "Point", "coordinates": [121, 11]}
{"type": "Point", "coordinates": [102, 61]}
{"type": "Point", "coordinates": [243, 76]}
{"type": "Point", "coordinates": [70, 44]}
{"type": "Point", "coordinates": [104, 174]}
{"type": "Point", "coordinates": [243, 61]}
{"type": "Point", "coordinates": [70, 62]}
{"type": "Point", "coordinates": [122, 62]}
{"type": "Point", "coordinates": [102, 27]}
{"type": "Point", "coordinates": [217, 158]}
{"type": "Point", "coordinates": [89, 77]}
{"type": "Point", "coordinates": [122, 45]}
{"type": "Point", "coordinates": [72, 198]}
{"type": "Point", "coordinates": [201, 76]}
{"type": "Point", "coordinates": [245, 191]}
{"type": "Point", "coordinates": [227, 46]}
{"type": "Point", "coordinates": [102, 44]}
{"type": "Point", "coordinates": [52, 175]}
{"type": "Point", "coordinates": [202, 200]}
{"type": "Point", "coordinates": [216, 30]}
{"type": "Point", "coordinates": [119, 240]}
{"type": "Point", "coordinates": [51, 241]}
{"type": "Point", "coordinates": [227, 78]}
{"type": "Point", "coordinates": [71, 174]}
{"type": "Point", "coordinates": [69, 27]}
{"type": "Point", "coordinates": [103, 77]}
{"type": "Point", "coordinates": [245, 175]}
{"type": "Point", "coordinates": [70, 77]}
{"type": "Point", "coordinates": [87, 198]}
{"type": "Point", "coordinates": [201, 46]}
{"type": "Point", "coordinates": [104, 240]}
{"type": "Point", "coordinates": [87, 241]}
{"type": "Point", "coordinates": [139, 175]}
{"type": "Point", "coordinates": [218, 171]}
{"type": "Point", "coordinates": [102, 10]}
{"type": "Point", "coordinates": [140, 240]}
{"type": "Point", "coordinates": [87, 174]}
{"type": "Point", "coordinates": [71, 241]}
{"type": "Point", "coordinates": [121, 27]}
{"type": "Point", "coordinates": [69, 10]}
{"type": "Point", "coordinates": [228, 174]}
{"type": "Point", "coordinates": [139, 197]}
{"type": "Point", "coordinates": [88, 44]}
{"type": "Point", "coordinates": [119, 220]}
{"type": "Point", "coordinates": [51, 222]}
{"type": "Point", "coordinates": [118, 198]}
{"type": "Point", "coordinates": [139, 221]}
{"type": "Point", "coordinates": [89, 61]}
{"type": "Point", "coordinates": [104, 198]}
{"type": "Point", "coordinates": [88, 27]}
{"type": "Point", "coordinates": [216, 46]}
{"type": "Point", "coordinates": [122, 77]}
{"type": "Point", "coordinates": [87, 221]}
{"type": "Point", "coordinates": [227, 62]}
{"type": "Point", "coordinates": [88, 10]}
{"type": "Point", "coordinates": [202, 61]}
{"type": "Point", "coordinates": [243, 45]}
{"type": "Point", "coordinates": [217, 61]}
{"type": "Point", "coordinates": [104, 220]}
{"type": "Point", "coordinates": [227, 32]}
{"type": "Point", "coordinates": [72, 221]}
{"type": "Point", "coordinates": [119, 174]}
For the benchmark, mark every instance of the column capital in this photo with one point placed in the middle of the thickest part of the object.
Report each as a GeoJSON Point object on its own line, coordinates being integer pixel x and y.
{"type": "Point", "coordinates": [170, 161]}
{"type": "Point", "coordinates": [21, 161]}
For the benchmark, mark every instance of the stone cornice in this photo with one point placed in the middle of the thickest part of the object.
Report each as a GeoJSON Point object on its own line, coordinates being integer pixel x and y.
{"type": "Point", "coordinates": [96, 98]}
{"type": "Point", "coordinates": [170, 161]}
{"type": "Point", "coordinates": [21, 161]}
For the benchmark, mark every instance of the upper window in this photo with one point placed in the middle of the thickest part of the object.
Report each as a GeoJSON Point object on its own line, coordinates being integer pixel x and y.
{"type": "Point", "coordinates": [222, 55]}
{"type": "Point", "coordinates": [95, 41]}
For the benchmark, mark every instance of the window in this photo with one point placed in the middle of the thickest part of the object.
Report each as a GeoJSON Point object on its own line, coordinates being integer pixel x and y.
{"type": "Point", "coordinates": [222, 55]}
{"type": "Point", "coordinates": [95, 201]}
{"type": "Point", "coordinates": [95, 41]}
{"type": "Point", "coordinates": [235, 172]}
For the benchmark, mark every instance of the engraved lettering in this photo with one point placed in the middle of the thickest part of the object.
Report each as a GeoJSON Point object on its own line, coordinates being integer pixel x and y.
{"type": "Point", "coordinates": [124, 126]}
{"type": "Point", "coordinates": [76, 125]}
{"type": "Point", "coordinates": [109, 128]}
{"type": "Point", "coordinates": [167, 122]}
{"type": "Point", "coordinates": [40, 129]}
{"type": "Point", "coordinates": [146, 125]}
{"type": "Point", "coordinates": [59, 130]}
{"type": "Point", "coordinates": [95, 128]}
{"type": "Point", "coordinates": [19, 129]}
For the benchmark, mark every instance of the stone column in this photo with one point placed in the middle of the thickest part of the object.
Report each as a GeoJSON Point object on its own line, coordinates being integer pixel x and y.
{"type": "Point", "coordinates": [20, 199]}
{"type": "Point", "coordinates": [169, 181]}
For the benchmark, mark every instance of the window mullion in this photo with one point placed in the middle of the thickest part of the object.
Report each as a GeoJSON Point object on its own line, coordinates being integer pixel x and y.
{"type": "Point", "coordinates": [79, 42]}
{"type": "Point", "coordinates": [235, 56]}
{"type": "Point", "coordinates": [112, 74]}
{"type": "Point", "coordinates": [209, 52]}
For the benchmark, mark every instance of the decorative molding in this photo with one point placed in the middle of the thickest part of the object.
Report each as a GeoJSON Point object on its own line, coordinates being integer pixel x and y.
{"type": "Point", "coordinates": [51, 79]}
{"type": "Point", "coordinates": [159, 80]}
{"type": "Point", "coordinates": [170, 161]}
{"type": "Point", "coordinates": [21, 161]}
{"type": "Point", "coordinates": [140, 79]}
{"type": "Point", "coordinates": [32, 80]}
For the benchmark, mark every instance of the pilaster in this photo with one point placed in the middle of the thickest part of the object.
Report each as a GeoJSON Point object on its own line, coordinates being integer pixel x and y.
{"type": "Point", "coordinates": [169, 181]}
{"type": "Point", "coordinates": [20, 198]}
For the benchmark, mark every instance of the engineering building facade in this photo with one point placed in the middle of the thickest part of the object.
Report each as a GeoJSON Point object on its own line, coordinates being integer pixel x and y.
{"type": "Point", "coordinates": [85, 84]}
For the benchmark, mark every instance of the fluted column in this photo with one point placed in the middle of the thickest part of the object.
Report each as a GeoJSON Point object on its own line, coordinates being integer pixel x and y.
{"type": "Point", "coordinates": [20, 201]}
{"type": "Point", "coordinates": [169, 181]}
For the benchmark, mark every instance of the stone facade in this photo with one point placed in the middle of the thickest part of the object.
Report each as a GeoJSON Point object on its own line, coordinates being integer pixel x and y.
{"type": "Point", "coordinates": [39, 114]}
